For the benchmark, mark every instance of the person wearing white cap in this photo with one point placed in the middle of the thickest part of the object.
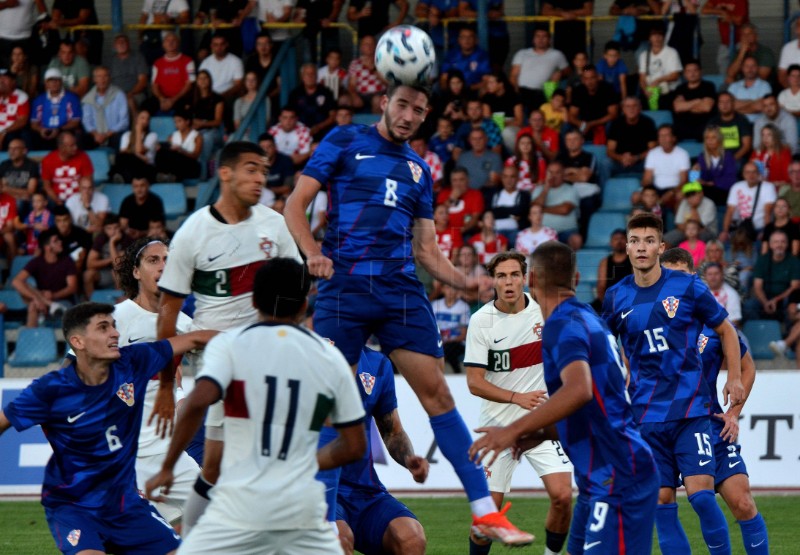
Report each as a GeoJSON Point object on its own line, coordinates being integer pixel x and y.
{"type": "Point", "coordinates": [53, 111]}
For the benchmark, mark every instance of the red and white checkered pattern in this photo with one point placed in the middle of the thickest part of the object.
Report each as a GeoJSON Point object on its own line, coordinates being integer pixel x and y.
{"type": "Point", "coordinates": [525, 181]}
{"type": "Point", "coordinates": [367, 80]}
{"type": "Point", "coordinates": [65, 175]}
{"type": "Point", "coordinates": [296, 141]}
{"type": "Point", "coordinates": [13, 106]}
{"type": "Point", "coordinates": [435, 164]}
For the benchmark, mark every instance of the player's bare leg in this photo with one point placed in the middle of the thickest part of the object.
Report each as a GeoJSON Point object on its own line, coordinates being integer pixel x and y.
{"type": "Point", "coordinates": [425, 375]}
{"type": "Point", "coordinates": [405, 536]}
{"type": "Point", "coordinates": [346, 537]}
{"type": "Point", "coordinates": [737, 495]}
{"type": "Point", "coordinates": [556, 524]}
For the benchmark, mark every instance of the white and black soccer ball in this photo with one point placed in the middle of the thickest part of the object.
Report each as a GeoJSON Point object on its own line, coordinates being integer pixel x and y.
{"type": "Point", "coordinates": [405, 56]}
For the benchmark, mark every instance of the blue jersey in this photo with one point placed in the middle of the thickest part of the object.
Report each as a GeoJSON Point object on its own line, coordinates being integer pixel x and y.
{"type": "Point", "coordinates": [375, 378]}
{"type": "Point", "coordinates": [659, 326]}
{"type": "Point", "coordinates": [376, 189]}
{"type": "Point", "coordinates": [601, 438]}
{"type": "Point", "coordinates": [473, 67]}
{"type": "Point", "coordinates": [710, 347]}
{"type": "Point", "coordinates": [93, 430]}
{"type": "Point", "coordinates": [54, 113]}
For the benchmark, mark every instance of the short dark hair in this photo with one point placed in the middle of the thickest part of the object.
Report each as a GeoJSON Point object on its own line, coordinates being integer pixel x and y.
{"type": "Point", "coordinates": [647, 219]}
{"type": "Point", "coordinates": [612, 45]}
{"type": "Point", "coordinates": [78, 316]}
{"type": "Point", "coordinates": [111, 218]}
{"type": "Point", "coordinates": [792, 67]}
{"type": "Point", "coordinates": [266, 137]}
{"type": "Point", "coordinates": [281, 287]}
{"type": "Point", "coordinates": [693, 61]}
{"type": "Point", "coordinates": [61, 210]}
{"type": "Point", "coordinates": [510, 255]}
{"type": "Point", "coordinates": [232, 152]}
{"type": "Point", "coordinates": [678, 255]}
{"type": "Point", "coordinates": [554, 265]}
{"type": "Point", "coordinates": [666, 126]}
{"type": "Point", "coordinates": [419, 87]}
{"type": "Point", "coordinates": [45, 236]}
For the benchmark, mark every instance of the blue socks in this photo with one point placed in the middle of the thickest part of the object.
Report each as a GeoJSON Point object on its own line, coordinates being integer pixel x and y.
{"type": "Point", "coordinates": [754, 535]}
{"type": "Point", "coordinates": [712, 522]}
{"type": "Point", "coordinates": [330, 478]}
{"type": "Point", "coordinates": [454, 440]}
{"type": "Point", "coordinates": [671, 537]}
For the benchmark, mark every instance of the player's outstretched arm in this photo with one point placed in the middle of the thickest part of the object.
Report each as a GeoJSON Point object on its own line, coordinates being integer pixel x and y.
{"type": "Point", "coordinates": [295, 216]}
{"type": "Point", "coordinates": [483, 388]}
{"type": "Point", "coordinates": [576, 391]}
{"type": "Point", "coordinates": [193, 340]}
{"type": "Point", "coordinates": [348, 447]}
{"type": "Point", "coordinates": [733, 391]}
{"type": "Point", "coordinates": [205, 393]}
{"type": "Point", "coordinates": [5, 424]}
{"type": "Point", "coordinates": [399, 445]}
{"type": "Point", "coordinates": [430, 255]}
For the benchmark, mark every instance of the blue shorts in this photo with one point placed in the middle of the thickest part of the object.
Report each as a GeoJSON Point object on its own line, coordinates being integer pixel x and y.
{"type": "Point", "coordinates": [394, 308]}
{"type": "Point", "coordinates": [621, 522]}
{"type": "Point", "coordinates": [577, 529]}
{"type": "Point", "coordinates": [369, 519]}
{"type": "Point", "coordinates": [136, 529]}
{"type": "Point", "coordinates": [681, 448]}
{"type": "Point", "coordinates": [728, 457]}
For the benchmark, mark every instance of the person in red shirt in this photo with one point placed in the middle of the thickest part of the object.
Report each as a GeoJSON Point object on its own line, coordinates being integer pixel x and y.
{"type": "Point", "coordinates": [15, 109]}
{"type": "Point", "coordinates": [488, 242]}
{"type": "Point", "coordinates": [447, 237]}
{"type": "Point", "coordinates": [64, 168]}
{"type": "Point", "coordinates": [545, 139]}
{"type": "Point", "coordinates": [173, 75]}
{"type": "Point", "coordinates": [731, 13]}
{"type": "Point", "coordinates": [8, 217]}
{"type": "Point", "coordinates": [464, 205]}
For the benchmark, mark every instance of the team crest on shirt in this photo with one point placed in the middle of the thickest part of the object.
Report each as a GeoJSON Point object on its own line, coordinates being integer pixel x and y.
{"type": "Point", "coordinates": [74, 537]}
{"type": "Point", "coordinates": [125, 392]}
{"type": "Point", "coordinates": [702, 341]}
{"type": "Point", "coordinates": [416, 171]}
{"type": "Point", "coordinates": [671, 305]}
{"type": "Point", "coordinates": [266, 246]}
{"type": "Point", "coordinates": [537, 331]}
{"type": "Point", "coordinates": [368, 381]}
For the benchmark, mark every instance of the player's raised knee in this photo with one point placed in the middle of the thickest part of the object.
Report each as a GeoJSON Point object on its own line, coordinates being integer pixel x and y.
{"type": "Point", "coordinates": [405, 536]}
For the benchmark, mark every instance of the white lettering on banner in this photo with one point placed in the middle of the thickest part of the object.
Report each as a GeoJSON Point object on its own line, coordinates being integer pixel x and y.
{"type": "Point", "coordinates": [769, 432]}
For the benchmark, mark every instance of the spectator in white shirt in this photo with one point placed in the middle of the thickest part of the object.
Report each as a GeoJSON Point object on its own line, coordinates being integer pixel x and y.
{"type": "Point", "coordinates": [666, 167]}
{"type": "Point", "coordinates": [742, 197]}
{"type": "Point", "coordinates": [531, 237]}
{"type": "Point", "coordinates": [790, 55]}
{"type": "Point", "coordinates": [292, 138]}
{"type": "Point", "coordinates": [726, 295]}
{"type": "Point", "coordinates": [227, 70]}
{"type": "Point", "coordinates": [694, 206]}
{"type": "Point", "coordinates": [88, 207]}
{"type": "Point", "coordinates": [659, 66]}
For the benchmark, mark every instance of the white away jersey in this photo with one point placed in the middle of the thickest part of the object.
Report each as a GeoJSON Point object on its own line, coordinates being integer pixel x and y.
{"type": "Point", "coordinates": [137, 325]}
{"type": "Point", "coordinates": [279, 383]}
{"type": "Point", "coordinates": [509, 347]}
{"type": "Point", "coordinates": [218, 262]}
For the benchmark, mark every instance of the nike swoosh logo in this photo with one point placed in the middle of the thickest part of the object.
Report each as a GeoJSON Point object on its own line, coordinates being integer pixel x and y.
{"type": "Point", "coordinates": [731, 465]}
{"type": "Point", "coordinates": [360, 156]}
{"type": "Point", "coordinates": [703, 463]}
{"type": "Point", "coordinates": [588, 546]}
{"type": "Point", "coordinates": [135, 339]}
{"type": "Point", "coordinates": [499, 340]}
{"type": "Point", "coordinates": [439, 343]}
{"type": "Point", "coordinates": [213, 258]}
{"type": "Point", "coordinates": [72, 419]}
{"type": "Point", "coordinates": [757, 544]}
{"type": "Point", "coordinates": [625, 314]}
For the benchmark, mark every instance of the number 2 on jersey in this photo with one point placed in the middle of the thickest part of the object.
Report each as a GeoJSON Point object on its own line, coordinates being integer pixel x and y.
{"type": "Point", "coordinates": [269, 413]}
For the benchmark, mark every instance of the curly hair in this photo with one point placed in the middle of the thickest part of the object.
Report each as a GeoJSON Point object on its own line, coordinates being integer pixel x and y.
{"type": "Point", "coordinates": [130, 259]}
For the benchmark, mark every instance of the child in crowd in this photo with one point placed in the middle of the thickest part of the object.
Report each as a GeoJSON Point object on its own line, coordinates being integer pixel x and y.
{"type": "Point", "coordinates": [612, 68]}
{"type": "Point", "coordinates": [452, 316]}
{"type": "Point", "coordinates": [693, 244]}
{"type": "Point", "coordinates": [332, 74]}
{"type": "Point", "coordinates": [39, 219]}
{"type": "Point", "coordinates": [579, 61]}
{"type": "Point", "coordinates": [444, 141]}
{"type": "Point", "coordinates": [743, 257]}
{"type": "Point", "coordinates": [649, 199]}
{"type": "Point", "coordinates": [555, 111]}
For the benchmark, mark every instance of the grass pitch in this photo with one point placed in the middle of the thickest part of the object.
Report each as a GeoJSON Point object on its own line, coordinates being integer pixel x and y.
{"type": "Point", "coordinates": [23, 529]}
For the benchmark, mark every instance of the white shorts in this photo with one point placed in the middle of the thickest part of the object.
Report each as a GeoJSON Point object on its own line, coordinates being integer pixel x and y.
{"type": "Point", "coordinates": [211, 538]}
{"type": "Point", "coordinates": [546, 458]}
{"type": "Point", "coordinates": [186, 471]}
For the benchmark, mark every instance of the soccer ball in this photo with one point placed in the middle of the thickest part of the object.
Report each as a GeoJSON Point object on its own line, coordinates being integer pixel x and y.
{"type": "Point", "coordinates": [405, 56]}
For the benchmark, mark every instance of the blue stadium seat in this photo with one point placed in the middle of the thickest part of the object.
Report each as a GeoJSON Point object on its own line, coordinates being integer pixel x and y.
{"type": "Point", "coordinates": [16, 267]}
{"type": "Point", "coordinates": [600, 227]}
{"type": "Point", "coordinates": [100, 163]}
{"type": "Point", "coordinates": [109, 296]}
{"type": "Point", "coordinates": [759, 333]}
{"type": "Point", "coordinates": [207, 193]}
{"type": "Point", "coordinates": [603, 161]}
{"type": "Point", "coordinates": [174, 198]}
{"type": "Point", "coordinates": [617, 193]}
{"type": "Point", "coordinates": [588, 260]}
{"type": "Point", "coordinates": [37, 155]}
{"type": "Point", "coordinates": [716, 79]}
{"type": "Point", "coordinates": [659, 117]}
{"type": "Point", "coordinates": [116, 194]}
{"type": "Point", "coordinates": [366, 119]}
{"type": "Point", "coordinates": [162, 126]}
{"type": "Point", "coordinates": [35, 347]}
{"type": "Point", "coordinates": [694, 148]}
{"type": "Point", "coordinates": [12, 300]}
{"type": "Point", "coordinates": [3, 156]}
{"type": "Point", "coordinates": [585, 292]}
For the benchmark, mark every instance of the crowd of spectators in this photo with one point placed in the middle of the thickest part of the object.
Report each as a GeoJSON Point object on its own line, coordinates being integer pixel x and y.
{"type": "Point", "coordinates": [523, 146]}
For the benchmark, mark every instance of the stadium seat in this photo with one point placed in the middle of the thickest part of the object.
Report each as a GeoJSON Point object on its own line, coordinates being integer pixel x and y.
{"type": "Point", "coordinates": [759, 333]}
{"type": "Point", "coordinates": [37, 155]}
{"type": "Point", "coordinates": [163, 127]}
{"type": "Point", "coordinates": [716, 79]}
{"type": "Point", "coordinates": [16, 267]}
{"type": "Point", "coordinates": [3, 156]}
{"type": "Point", "coordinates": [174, 198]}
{"type": "Point", "coordinates": [588, 260]}
{"type": "Point", "coordinates": [12, 300]}
{"type": "Point", "coordinates": [694, 148]}
{"type": "Point", "coordinates": [100, 163]}
{"type": "Point", "coordinates": [659, 117]}
{"type": "Point", "coordinates": [366, 119]}
{"type": "Point", "coordinates": [603, 162]}
{"type": "Point", "coordinates": [585, 292]}
{"type": "Point", "coordinates": [617, 193]}
{"type": "Point", "coordinates": [109, 296]}
{"type": "Point", "coordinates": [116, 194]}
{"type": "Point", "coordinates": [35, 347]}
{"type": "Point", "coordinates": [600, 227]}
{"type": "Point", "coordinates": [207, 193]}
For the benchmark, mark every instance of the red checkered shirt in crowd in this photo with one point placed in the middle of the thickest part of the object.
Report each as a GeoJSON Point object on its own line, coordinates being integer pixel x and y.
{"type": "Point", "coordinates": [435, 164]}
{"type": "Point", "coordinates": [15, 105]}
{"type": "Point", "coordinates": [367, 80]}
{"type": "Point", "coordinates": [296, 141]}
{"type": "Point", "coordinates": [65, 175]}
